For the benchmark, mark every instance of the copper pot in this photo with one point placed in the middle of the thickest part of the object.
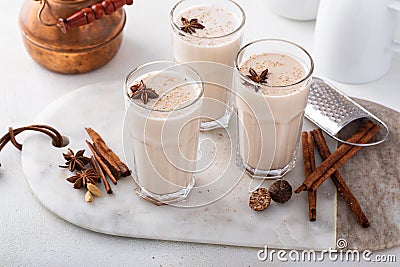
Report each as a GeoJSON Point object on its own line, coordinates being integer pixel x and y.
{"type": "Point", "coordinates": [72, 36]}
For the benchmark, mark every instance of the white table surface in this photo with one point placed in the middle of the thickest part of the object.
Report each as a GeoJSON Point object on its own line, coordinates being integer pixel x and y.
{"type": "Point", "coordinates": [32, 236]}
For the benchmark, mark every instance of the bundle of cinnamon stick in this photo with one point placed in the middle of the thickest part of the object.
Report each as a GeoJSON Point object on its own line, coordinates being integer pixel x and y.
{"type": "Point", "coordinates": [106, 161]}
{"type": "Point", "coordinates": [330, 165]}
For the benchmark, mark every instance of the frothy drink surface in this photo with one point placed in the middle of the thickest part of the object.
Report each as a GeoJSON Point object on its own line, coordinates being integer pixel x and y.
{"type": "Point", "coordinates": [217, 22]}
{"type": "Point", "coordinates": [174, 91]}
{"type": "Point", "coordinates": [283, 70]}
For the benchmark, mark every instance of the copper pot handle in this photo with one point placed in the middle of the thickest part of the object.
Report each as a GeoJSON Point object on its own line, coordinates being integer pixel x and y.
{"type": "Point", "coordinates": [89, 14]}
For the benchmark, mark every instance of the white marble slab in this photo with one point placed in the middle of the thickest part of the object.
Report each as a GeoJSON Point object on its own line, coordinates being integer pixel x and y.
{"type": "Point", "coordinates": [221, 215]}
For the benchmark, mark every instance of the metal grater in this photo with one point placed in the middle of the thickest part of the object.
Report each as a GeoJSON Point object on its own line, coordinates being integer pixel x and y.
{"type": "Point", "coordinates": [332, 110]}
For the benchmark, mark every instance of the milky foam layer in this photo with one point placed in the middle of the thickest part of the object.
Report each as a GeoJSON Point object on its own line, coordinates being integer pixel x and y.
{"type": "Point", "coordinates": [174, 91]}
{"type": "Point", "coordinates": [283, 70]}
{"type": "Point", "coordinates": [217, 22]}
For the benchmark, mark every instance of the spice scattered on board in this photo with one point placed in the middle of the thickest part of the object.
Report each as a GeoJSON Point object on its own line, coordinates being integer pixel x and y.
{"type": "Point", "coordinates": [260, 199]}
{"type": "Point", "coordinates": [75, 161]}
{"type": "Point", "coordinates": [83, 178]}
{"type": "Point", "coordinates": [280, 191]}
{"type": "Point", "coordinates": [104, 163]}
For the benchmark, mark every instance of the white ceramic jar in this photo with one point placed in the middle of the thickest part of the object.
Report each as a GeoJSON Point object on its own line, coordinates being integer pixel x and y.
{"type": "Point", "coordinates": [295, 9]}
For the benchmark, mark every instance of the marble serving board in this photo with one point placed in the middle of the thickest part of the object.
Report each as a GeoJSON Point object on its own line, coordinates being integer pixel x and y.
{"type": "Point", "coordinates": [216, 211]}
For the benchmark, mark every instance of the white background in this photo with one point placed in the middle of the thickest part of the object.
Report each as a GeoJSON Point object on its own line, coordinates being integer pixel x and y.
{"type": "Point", "coordinates": [31, 235]}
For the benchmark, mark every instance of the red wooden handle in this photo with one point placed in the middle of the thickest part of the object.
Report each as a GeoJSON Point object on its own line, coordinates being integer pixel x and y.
{"type": "Point", "coordinates": [89, 14]}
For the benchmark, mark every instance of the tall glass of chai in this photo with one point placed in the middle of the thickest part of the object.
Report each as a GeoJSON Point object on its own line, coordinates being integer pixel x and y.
{"type": "Point", "coordinates": [212, 31]}
{"type": "Point", "coordinates": [161, 129]}
{"type": "Point", "coordinates": [272, 83]}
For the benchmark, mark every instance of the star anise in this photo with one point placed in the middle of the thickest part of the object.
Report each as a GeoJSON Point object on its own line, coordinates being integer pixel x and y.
{"type": "Point", "coordinates": [190, 26]}
{"type": "Point", "coordinates": [141, 91]}
{"type": "Point", "coordinates": [261, 79]}
{"type": "Point", "coordinates": [75, 161]}
{"type": "Point", "coordinates": [83, 178]}
{"type": "Point", "coordinates": [258, 78]}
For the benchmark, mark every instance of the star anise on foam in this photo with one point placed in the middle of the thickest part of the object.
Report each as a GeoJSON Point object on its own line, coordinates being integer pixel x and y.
{"type": "Point", "coordinates": [258, 78]}
{"type": "Point", "coordinates": [261, 79]}
{"type": "Point", "coordinates": [141, 91]}
{"type": "Point", "coordinates": [75, 161]}
{"type": "Point", "coordinates": [83, 178]}
{"type": "Point", "coordinates": [190, 26]}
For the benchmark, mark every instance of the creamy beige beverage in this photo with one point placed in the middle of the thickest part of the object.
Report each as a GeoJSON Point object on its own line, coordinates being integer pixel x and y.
{"type": "Point", "coordinates": [165, 133]}
{"type": "Point", "coordinates": [271, 113]}
{"type": "Point", "coordinates": [218, 41]}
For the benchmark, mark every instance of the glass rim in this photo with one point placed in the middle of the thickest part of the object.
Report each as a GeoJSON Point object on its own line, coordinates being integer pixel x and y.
{"type": "Point", "coordinates": [240, 27]}
{"type": "Point", "coordinates": [172, 63]}
{"type": "Point", "coordinates": [261, 86]}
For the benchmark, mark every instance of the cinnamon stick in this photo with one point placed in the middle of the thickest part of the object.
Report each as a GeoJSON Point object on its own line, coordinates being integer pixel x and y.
{"type": "Point", "coordinates": [312, 196]}
{"type": "Point", "coordinates": [102, 164]}
{"type": "Point", "coordinates": [331, 160]}
{"type": "Point", "coordinates": [306, 155]}
{"type": "Point", "coordinates": [104, 153]}
{"type": "Point", "coordinates": [306, 160]}
{"type": "Point", "coordinates": [96, 166]}
{"type": "Point", "coordinates": [341, 160]}
{"type": "Point", "coordinates": [312, 205]}
{"type": "Point", "coordinates": [94, 136]}
{"type": "Point", "coordinates": [309, 166]}
{"type": "Point", "coordinates": [339, 182]}
{"type": "Point", "coordinates": [311, 151]}
{"type": "Point", "coordinates": [114, 162]}
{"type": "Point", "coordinates": [301, 188]}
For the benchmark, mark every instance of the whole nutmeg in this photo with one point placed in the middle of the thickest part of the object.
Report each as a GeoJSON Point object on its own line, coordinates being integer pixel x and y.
{"type": "Point", "coordinates": [260, 199]}
{"type": "Point", "coordinates": [280, 191]}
